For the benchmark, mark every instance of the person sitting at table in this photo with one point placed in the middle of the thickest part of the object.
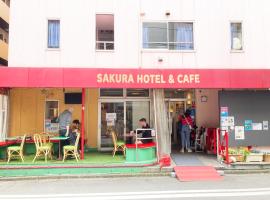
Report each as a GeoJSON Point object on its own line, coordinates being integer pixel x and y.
{"type": "Point", "coordinates": [146, 134]}
{"type": "Point", "coordinates": [75, 128]}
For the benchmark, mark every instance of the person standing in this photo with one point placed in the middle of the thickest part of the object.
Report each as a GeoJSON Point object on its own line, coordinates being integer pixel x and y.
{"type": "Point", "coordinates": [187, 124]}
{"type": "Point", "coordinates": [65, 119]}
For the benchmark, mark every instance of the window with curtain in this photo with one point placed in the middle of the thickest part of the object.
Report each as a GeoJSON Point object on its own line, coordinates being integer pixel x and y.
{"type": "Point", "coordinates": [171, 35]}
{"type": "Point", "coordinates": [155, 35]}
{"type": "Point", "coordinates": [236, 36]}
{"type": "Point", "coordinates": [181, 36]}
{"type": "Point", "coordinates": [53, 33]}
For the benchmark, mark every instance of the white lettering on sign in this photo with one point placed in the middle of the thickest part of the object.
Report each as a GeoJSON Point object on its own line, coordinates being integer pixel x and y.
{"type": "Point", "coordinates": [148, 78]}
{"type": "Point", "coordinates": [115, 78]}
{"type": "Point", "coordinates": [188, 78]}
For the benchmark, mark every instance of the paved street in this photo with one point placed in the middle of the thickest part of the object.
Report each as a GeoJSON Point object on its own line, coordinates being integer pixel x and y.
{"type": "Point", "coordinates": [233, 187]}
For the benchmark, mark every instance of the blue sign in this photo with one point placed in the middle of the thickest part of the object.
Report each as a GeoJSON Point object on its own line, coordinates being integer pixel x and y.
{"type": "Point", "coordinates": [248, 125]}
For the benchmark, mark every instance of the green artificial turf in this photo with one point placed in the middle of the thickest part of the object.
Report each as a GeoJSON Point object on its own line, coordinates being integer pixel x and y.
{"type": "Point", "coordinates": [97, 158]}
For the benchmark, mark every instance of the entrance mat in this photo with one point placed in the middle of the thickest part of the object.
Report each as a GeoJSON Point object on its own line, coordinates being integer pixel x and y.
{"type": "Point", "coordinates": [188, 159]}
{"type": "Point", "coordinates": [197, 173]}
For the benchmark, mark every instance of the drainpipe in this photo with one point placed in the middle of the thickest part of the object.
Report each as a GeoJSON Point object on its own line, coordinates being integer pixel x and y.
{"type": "Point", "coordinates": [82, 124]}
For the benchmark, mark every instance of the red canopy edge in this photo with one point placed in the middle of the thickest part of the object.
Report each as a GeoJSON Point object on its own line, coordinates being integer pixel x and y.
{"type": "Point", "coordinates": [13, 77]}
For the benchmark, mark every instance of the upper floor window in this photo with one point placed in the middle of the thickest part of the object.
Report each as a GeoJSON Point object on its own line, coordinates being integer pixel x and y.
{"type": "Point", "coordinates": [119, 92]}
{"type": "Point", "coordinates": [104, 32]}
{"type": "Point", "coordinates": [155, 35]}
{"type": "Point", "coordinates": [236, 36]}
{"type": "Point", "coordinates": [181, 36]}
{"type": "Point", "coordinates": [171, 35]}
{"type": "Point", "coordinates": [111, 92]}
{"type": "Point", "coordinates": [137, 92]}
{"type": "Point", "coordinates": [53, 33]}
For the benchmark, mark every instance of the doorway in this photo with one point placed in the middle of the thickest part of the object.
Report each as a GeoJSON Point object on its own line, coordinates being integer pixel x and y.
{"type": "Point", "coordinates": [176, 107]}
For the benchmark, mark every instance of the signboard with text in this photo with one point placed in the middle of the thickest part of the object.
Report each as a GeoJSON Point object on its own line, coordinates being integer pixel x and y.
{"type": "Point", "coordinates": [133, 78]}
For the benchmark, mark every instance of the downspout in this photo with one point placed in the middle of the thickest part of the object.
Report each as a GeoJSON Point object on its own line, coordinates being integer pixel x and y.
{"type": "Point", "coordinates": [82, 124]}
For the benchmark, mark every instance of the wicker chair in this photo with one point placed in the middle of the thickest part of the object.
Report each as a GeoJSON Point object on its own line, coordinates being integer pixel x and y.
{"type": "Point", "coordinates": [72, 150]}
{"type": "Point", "coordinates": [16, 151]}
{"type": "Point", "coordinates": [118, 145]}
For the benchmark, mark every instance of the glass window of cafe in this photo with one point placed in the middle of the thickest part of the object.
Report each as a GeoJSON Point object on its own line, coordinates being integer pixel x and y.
{"type": "Point", "coordinates": [51, 115]}
{"type": "Point", "coordinates": [126, 106]}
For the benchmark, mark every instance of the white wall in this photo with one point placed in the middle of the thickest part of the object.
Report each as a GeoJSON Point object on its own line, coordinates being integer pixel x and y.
{"type": "Point", "coordinates": [207, 112]}
{"type": "Point", "coordinates": [28, 33]}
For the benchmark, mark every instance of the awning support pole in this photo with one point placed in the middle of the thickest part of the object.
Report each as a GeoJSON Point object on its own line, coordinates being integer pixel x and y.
{"type": "Point", "coordinates": [82, 124]}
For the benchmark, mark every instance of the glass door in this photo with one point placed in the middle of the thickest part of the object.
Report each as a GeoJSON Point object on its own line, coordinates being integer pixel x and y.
{"type": "Point", "coordinates": [112, 115]}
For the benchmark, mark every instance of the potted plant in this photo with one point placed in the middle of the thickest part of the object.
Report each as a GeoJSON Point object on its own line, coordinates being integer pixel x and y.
{"type": "Point", "coordinates": [236, 155]}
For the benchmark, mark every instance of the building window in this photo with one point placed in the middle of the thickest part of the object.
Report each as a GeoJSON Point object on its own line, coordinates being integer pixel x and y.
{"type": "Point", "coordinates": [181, 36]}
{"type": "Point", "coordinates": [118, 92]}
{"type": "Point", "coordinates": [135, 110]}
{"type": "Point", "coordinates": [179, 94]}
{"type": "Point", "coordinates": [104, 32]}
{"type": "Point", "coordinates": [110, 92]}
{"type": "Point", "coordinates": [137, 92]}
{"type": "Point", "coordinates": [236, 36]}
{"type": "Point", "coordinates": [51, 116]}
{"type": "Point", "coordinates": [171, 35]}
{"type": "Point", "coordinates": [155, 36]}
{"type": "Point", "coordinates": [53, 33]}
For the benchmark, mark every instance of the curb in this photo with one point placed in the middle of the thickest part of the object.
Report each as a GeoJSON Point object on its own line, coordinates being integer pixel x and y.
{"type": "Point", "coordinates": [83, 176]}
{"type": "Point", "coordinates": [246, 171]}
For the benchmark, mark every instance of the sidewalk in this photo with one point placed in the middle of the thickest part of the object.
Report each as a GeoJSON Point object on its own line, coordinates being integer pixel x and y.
{"type": "Point", "coordinates": [24, 171]}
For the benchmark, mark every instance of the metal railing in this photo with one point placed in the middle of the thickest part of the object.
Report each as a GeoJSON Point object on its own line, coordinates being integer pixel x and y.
{"type": "Point", "coordinates": [169, 45]}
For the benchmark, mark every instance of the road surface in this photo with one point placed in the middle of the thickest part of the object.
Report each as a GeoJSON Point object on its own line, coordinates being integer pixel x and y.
{"type": "Point", "coordinates": [233, 187]}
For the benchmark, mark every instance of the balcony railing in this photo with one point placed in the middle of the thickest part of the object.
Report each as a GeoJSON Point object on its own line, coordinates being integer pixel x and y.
{"type": "Point", "coordinates": [169, 45]}
{"type": "Point", "coordinates": [105, 45]}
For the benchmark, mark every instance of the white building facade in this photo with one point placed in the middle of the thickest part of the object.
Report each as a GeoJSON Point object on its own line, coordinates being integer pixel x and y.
{"type": "Point", "coordinates": [137, 22]}
{"type": "Point", "coordinates": [70, 44]}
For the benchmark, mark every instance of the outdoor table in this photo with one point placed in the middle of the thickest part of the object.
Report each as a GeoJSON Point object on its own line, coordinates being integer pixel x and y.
{"type": "Point", "coordinates": [59, 138]}
{"type": "Point", "coordinates": [143, 152]}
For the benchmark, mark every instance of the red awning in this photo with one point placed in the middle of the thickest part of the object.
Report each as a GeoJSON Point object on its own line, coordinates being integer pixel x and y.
{"type": "Point", "coordinates": [133, 78]}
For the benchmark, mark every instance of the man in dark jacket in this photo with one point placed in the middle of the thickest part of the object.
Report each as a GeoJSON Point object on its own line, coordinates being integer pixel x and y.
{"type": "Point", "coordinates": [145, 133]}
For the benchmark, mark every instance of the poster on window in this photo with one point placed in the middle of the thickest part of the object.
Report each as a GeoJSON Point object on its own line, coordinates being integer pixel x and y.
{"type": "Point", "coordinates": [224, 121]}
{"type": "Point", "coordinates": [257, 126]}
{"type": "Point", "coordinates": [51, 127]}
{"type": "Point", "coordinates": [110, 116]}
{"type": "Point", "coordinates": [239, 132]}
{"type": "Point", "coordinates": [248, 125]}
{"type": "Point", "coordinates": [224, 112]}
{"type": "Point", "coordinates": [230, 121]}
{"type": "Point", "coordinates": [111, 123]}
{"type": "Point", "coordinates": [265, 125]}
